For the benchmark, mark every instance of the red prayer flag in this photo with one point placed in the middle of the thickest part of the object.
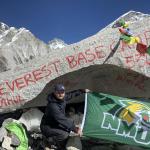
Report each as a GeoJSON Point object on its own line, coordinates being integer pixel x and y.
{"type": "Point", "coordinates": [141, 48]}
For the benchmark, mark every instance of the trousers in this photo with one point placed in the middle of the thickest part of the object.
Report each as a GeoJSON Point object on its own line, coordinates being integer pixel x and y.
{"type": "Point", "coordinates": [54, 136]}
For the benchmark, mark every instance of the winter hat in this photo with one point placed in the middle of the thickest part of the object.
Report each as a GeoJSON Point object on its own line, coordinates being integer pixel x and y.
{"type": "Point", "coordinates": [59, 87]}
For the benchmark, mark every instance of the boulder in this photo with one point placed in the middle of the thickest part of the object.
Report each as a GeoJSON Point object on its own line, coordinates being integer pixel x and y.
{"type": "Point", "coordinates": [31, 118]}
{"type": "Point", "coordinates": [74, 143]}
{"type": "Point", "coordinates": [29, 68]}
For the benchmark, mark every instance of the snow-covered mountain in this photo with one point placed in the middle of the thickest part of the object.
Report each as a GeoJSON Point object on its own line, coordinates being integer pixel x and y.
{"type": "Point", "coordinates": [56, 43]}
{"type": "Point", "coordinates": [3, 27]}
{"type": "Point", "coordinates": [18, 46]}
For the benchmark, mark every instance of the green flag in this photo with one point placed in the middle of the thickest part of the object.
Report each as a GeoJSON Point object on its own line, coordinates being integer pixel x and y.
{"type": "Point", "coordinates": [117, 119]}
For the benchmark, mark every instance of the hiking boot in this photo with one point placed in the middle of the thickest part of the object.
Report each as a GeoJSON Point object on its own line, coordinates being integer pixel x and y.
{"type": "Point", "coordinates": [47, 148]}
{"type": "Point", "coordinates": [52, 147]}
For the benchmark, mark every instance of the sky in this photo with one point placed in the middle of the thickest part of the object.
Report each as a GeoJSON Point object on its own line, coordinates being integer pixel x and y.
{"type": "Point", "coordinates": [69, 20]}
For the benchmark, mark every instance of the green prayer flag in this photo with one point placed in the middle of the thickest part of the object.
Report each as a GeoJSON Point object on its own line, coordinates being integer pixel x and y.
{"type": "Point", "coordinates": [125, 38]}
{"type": "Point", "coordinates": [122, 22]}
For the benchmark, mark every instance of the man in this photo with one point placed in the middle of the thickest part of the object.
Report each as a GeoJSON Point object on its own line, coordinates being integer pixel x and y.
{"type": "Point", "coordinates": [55, 125]}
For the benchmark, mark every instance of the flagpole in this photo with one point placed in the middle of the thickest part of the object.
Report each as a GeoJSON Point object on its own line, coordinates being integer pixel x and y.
{"type": "Point", "coordinates": [85, 110]}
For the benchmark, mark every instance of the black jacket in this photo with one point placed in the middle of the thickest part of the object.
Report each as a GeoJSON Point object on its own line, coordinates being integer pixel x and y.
{"type": "Point", "coordinates": [55, 112]}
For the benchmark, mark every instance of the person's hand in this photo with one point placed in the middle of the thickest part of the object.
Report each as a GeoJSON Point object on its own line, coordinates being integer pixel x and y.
{"type": "Point", "coordinates": [78, 131]}
{"type": "Point", "coordinates": [85, 90]}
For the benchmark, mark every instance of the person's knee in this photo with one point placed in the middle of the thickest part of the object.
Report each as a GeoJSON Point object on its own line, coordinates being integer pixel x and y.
{"type": "Point", "coordinates": [45, 131]}
{"type": "Point", "coordinates": [42, 129]}
{"type": "Point", "coordinates": [62, 136]}
{"type": "Point", "coordinates": [65, 135]}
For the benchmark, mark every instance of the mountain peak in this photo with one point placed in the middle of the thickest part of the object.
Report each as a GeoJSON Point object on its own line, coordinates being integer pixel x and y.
{"type": "Point", "coordinates": [56, 43]}
{"type": "Point", "coordinates": [3, 27]}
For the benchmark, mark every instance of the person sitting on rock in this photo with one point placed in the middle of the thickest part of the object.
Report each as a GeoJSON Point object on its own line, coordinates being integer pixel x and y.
{"type": "Point", "coordinates": [55, 126]}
